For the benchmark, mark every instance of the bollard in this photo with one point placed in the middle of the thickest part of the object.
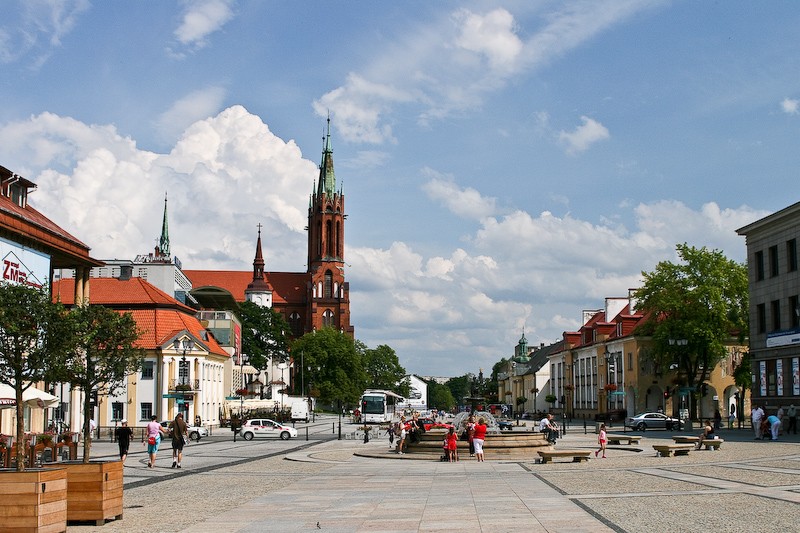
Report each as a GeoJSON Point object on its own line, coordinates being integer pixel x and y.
{"type": "Point", "coordinates": [584, 425]}
{"type": "Point", "coordinates": [306, 432]}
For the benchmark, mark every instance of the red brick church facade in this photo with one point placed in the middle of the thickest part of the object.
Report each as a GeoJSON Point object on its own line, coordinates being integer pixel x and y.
{"type": "Point", "coordinates": [319, 297]}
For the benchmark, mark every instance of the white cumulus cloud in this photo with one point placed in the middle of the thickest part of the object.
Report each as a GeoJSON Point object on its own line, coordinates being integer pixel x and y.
{"type": "Point", "coordinates": [201, 18]}
{"type": "Point", "coordinates": [583, 136]}
{"type": "Point", "coordinates": [790, 106]}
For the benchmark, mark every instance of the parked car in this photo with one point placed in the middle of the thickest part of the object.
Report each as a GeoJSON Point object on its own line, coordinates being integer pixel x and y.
{"type": "Point", "coordinates": [646, 421]}
{"type": "Point", "coordinates": [505, 424]}
{"type": "Point", "coordinates": [433, 424]}
{"type": "Point", "coordinates": [195, 432]}
{"type": "Point", "coordinates": [264, 427]}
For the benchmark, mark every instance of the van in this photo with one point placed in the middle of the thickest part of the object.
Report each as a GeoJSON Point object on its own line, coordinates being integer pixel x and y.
{"type": "Point", "coordinates": [300, 411]}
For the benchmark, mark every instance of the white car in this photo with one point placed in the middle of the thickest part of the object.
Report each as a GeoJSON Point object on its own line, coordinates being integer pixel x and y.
{"type": "Point", "coordinates": [264, 427]}
{"type": "Point", "coordinates": [195, 432]}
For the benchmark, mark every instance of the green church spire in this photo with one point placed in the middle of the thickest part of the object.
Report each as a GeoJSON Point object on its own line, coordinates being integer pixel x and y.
{"type": "Point", "coordinates": [163, 241]}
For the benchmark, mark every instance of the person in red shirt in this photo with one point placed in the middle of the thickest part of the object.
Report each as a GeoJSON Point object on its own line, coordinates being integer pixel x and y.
{"type": "Point", "coordinates": [452, 444]}
{"type": "Point", "coordinates": [479, 437]}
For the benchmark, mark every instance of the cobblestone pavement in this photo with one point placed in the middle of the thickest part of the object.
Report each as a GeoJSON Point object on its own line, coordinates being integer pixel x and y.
{"type": "Point", "coordinates": [319, 484]}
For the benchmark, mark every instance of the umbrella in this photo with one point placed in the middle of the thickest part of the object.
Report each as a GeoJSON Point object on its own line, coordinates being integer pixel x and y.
{"type": "Point", "coordinates": [32, 397]}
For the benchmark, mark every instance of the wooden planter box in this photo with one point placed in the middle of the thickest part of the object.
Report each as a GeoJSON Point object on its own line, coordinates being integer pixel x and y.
{"type": "Point", "coordinates": [94, 490]}
{"type": "Point", "coordinates": [34, 500]}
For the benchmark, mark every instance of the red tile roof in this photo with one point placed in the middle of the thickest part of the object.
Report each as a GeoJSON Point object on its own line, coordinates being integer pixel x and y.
{"type": "Point", "coordinates": [159, 316]}
{"type": "Point", "coordinates": [28, 224]}
{"type": "Point", "coordinates": [287, 287]}
{"type": "Point", "coordinates": [113, 292]}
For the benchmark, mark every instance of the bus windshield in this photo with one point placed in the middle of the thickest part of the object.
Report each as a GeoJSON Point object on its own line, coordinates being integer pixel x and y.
{"type": "Point", "coordinates": [373, 404]}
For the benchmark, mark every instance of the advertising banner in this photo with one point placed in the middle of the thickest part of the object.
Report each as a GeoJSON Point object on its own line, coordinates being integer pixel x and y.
{"type": "Point", "coordinates": [22, 265]}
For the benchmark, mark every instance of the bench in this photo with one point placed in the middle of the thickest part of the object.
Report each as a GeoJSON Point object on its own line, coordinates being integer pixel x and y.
{"type": "Point", "coordinates": [712, 444]}
{"type": "Point", "coordinates": [577, 455]}
{"type": "Point", "coordinates": [685, 439]}
{"type": "Point", "coordinates": [628, 439]}
{"type": "Point", "coordinates": [665, 450]}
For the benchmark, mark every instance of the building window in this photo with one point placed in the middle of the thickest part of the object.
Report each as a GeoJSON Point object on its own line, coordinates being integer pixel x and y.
{"type": "Point", "coordinates": [146, 411]}
{"type": "Point", "coordinates": [630, 360]}
{"type": "Point", "coordinates": [776, 315]}
{"type": "Point", "coordinates": [296, 324]}
{"type": "Point", "coordinates": [759, 259]}
{"type": "Point", "coordinates": [761, 318]}
{"type": "Point", "coordinates": [791, 254]}
{"type": "Point", "coordinates": [328, 319]}
{"type": "Point", "coordinates": [794, 310]}
{"type": "Point", "coordinates": [327, 289]}
{"type": "Point", "coordinates": [116, 411]}
{"type": "Point", "coordinates": [773, 261]}
{"type": "Point", "coordinates": [147, 369]}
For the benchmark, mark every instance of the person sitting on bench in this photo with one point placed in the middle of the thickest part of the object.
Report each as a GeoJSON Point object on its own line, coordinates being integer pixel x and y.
{"type": "Point", "coordinates": [707, 434]}
{"type": "Point", "coordinates": [549, 428]}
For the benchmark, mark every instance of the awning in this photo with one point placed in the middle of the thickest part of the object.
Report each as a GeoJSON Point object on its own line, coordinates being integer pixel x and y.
{"type": "Point", "coordinates": [32, 397]}
{"type": "Point", "coordinates": [247, 369]}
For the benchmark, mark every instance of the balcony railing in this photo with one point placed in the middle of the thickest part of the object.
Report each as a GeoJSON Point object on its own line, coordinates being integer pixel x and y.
{"type": "Point", "coordinates": [184, 385]}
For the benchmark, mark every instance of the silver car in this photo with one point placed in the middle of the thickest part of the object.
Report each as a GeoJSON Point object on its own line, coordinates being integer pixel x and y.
{"type": "Point", "coordinates": [195, 432]}
{"type": "Point", "coordinates": [653, 421]}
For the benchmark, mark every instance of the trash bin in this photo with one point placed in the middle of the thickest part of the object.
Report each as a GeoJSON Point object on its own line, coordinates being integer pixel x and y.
{"type": "Point", "coordinates": [687, 425]}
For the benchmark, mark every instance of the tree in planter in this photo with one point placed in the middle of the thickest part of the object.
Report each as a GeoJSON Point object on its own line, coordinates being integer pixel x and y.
{"type": "Point", "coordinates": [103, 355]}
{"type": "Point", "coordinates": [551, 399]}
{"type": "Point", "coordinates": [35, 344]}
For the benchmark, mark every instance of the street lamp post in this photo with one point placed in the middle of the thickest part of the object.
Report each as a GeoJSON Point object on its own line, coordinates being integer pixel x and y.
{"type": "Point", "coordinates": [282, 367]}
{"type": "Point", "coordinates": [187, 345]}
{"type": "Point", "coordinates": [681, 344]}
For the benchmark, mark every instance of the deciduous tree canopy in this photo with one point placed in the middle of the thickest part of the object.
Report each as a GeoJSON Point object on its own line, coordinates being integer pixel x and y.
{"type": "Point", "coordinates": [702, 300]}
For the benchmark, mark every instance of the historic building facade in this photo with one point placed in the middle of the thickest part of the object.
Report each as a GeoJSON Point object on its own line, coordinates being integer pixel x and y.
{"type": "Point", "coordinates": [774, 282]}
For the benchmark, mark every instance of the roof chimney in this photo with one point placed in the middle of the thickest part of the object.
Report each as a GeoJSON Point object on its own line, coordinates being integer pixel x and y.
{"type": "Point", "coordinates": [125, 272]}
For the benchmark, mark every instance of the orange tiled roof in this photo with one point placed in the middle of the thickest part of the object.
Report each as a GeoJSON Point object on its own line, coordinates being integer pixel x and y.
{"type": "Point", "coordinates": [287, 287]}
{"type": "Point", "coordinates": [120, 294]}
{"type": "Point", "coordinates": [159, 326]}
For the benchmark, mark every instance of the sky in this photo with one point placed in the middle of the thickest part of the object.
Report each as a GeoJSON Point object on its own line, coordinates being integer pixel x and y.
{"type": "Point", "coordinates": [505, 164]}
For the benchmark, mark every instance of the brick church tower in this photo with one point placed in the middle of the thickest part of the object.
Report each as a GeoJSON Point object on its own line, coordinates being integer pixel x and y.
{"type": "Point", "coordinates": [328, 292]}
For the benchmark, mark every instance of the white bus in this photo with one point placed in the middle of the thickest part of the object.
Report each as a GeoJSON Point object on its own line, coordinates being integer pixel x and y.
{"type": "Point", "coordinates": [379, 405]}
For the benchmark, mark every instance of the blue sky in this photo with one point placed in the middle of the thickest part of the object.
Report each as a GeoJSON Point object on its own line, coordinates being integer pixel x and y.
{"type": "Point", "coordinates": [506, 165]}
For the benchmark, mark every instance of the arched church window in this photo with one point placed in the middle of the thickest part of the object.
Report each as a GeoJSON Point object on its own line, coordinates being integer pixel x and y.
{"type": "Point", "coordinates": [328, 319]}
{"type": "Point", "coordinates": [296, 324]}
{"type": "Point", "coordinates": [327, 291]}
{"type": "Point", "coordinates": [329, 239]}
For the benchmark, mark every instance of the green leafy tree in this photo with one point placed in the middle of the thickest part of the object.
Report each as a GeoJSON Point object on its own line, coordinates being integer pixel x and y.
{"type": "Point", "coordinates": [264, 333]}
{"type": "Point", "coordinates": [336, 369]}
{"type": "Point", "coordinates": [104, 354]}
{"type": "Point", "coordinates": [35, 343]}
{"type": "Point", "coordinates": [703, 300]}
{"type": "Point", "coordinates": [460, 387]}
{"type": "Point", "coordinates": [440, 397]}
{"type": "Point", "coordinates": [383, 368]}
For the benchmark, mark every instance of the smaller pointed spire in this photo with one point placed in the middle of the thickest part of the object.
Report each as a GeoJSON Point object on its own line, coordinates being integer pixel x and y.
{"type": "Point", "coordinates": [327, 177]}
{"type": "Point", "coordinates": [163, 241]}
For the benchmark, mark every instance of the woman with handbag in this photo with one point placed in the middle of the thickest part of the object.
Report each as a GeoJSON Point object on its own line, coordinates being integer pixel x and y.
{"type": "Point", "coordinates": [154, 430]}
{"type": "Point", "coordinates": [179, 431]}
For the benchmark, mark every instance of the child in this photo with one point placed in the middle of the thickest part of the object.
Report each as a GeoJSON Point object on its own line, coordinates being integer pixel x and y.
{"type": "Point", "coordinates": [601, 439]}
{"type": "Point", "coordinates": [452, 444]}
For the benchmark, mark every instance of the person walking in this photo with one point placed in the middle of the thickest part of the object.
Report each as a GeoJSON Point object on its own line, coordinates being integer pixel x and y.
{"type": "Point", "coordinates": [756, 416]}
{"type": "Point", "coordinates": [154, 431]}
{"type": "Point", "coordinates": [123, 434]}
{"type": "Point", "coordinates": [179, 431]}
{"type": "Point", "coordinates": [601, 440]}
{"type": "Point", "coordinates": [401, 437]}
{"type": "Point", "coordinates": [478, 438]}
{"type": "Point", "coordinates": [791, 412]}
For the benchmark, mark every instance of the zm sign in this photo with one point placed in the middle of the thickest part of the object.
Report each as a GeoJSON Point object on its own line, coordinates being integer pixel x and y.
{"type": "Point", "coordinates": [22, 265]}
